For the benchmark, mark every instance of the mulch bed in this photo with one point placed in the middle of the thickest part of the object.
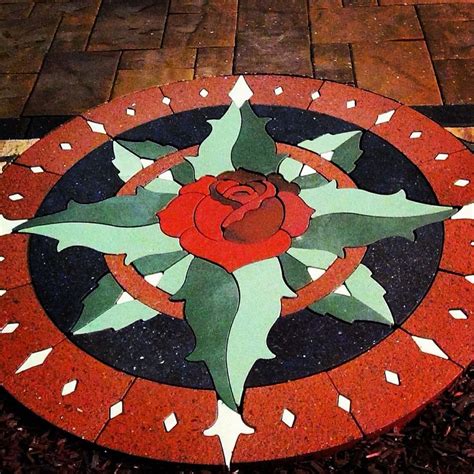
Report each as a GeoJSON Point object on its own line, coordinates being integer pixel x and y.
{"type": "Point", "coordinates": [439, 440]}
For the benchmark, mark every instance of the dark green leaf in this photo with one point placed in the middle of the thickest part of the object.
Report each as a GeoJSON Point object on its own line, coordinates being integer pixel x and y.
{"type": "Point", "coordinates": [295, 273]}
{"type": "Point", "coordinates": [158, 263]}
{"type": "Point", "coordinates": [183, 173]}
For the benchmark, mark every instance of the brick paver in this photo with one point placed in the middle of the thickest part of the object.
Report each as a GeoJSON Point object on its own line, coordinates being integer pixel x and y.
{"type": "Point", "coordinates": [417, 51]}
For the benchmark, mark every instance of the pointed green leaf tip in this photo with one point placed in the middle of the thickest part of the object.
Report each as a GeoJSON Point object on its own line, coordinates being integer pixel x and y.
{"type": "Point", "coordinates": [103, 310]}
{"type": "Point", "coordinates": [343, 149]}
{"type": "Point", "coordinates": [354, 218]}
{"type": "Point", "coordinates": [365, 303]}
{"type": "Point", "coordinates": [220, 308]}
{"type": "Point", "coordinates": [238, 140]}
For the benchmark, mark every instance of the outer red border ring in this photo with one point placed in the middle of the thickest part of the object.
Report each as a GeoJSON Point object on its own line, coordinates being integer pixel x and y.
{"type": "Point", "coordinates": [158, 299]}
{"type": "Point", "coordinates": [320, 425]}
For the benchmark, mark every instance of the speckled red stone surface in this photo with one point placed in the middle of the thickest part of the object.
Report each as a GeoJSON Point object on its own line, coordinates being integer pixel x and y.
{"type": "Point", "coordinates": [321, 424]}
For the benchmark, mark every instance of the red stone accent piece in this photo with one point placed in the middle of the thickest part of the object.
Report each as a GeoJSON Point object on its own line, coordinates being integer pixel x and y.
{"type": "Point", "coordinates": [378, 405]}
{"type": "Point", "coordinates": [457, 250]}
{"type": "Point", "coordinates": [14, 269]}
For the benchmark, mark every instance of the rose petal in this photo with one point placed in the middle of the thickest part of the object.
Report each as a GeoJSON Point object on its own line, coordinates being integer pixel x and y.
{"type": "Point", "coordinates": [178, 215]}
{"type": "Point", "coordinates": [297, 214]}
{"type": "Point", "coordinates": [282, 184]}
{"type": "Point", "coordinates": [257, 225]}
{"type": "Point", "coordinates": [241, 193]}
{"type": "Point", "coordinates": [209, 216]}
{"type": "Point", "coordinates": [201, 186]}
{"type": "Point", "coordinates": [231, 255]}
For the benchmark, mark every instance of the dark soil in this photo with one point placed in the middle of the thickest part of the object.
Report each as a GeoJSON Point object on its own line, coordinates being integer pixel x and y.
{"type": "Point", "coordinates": [439, 440]}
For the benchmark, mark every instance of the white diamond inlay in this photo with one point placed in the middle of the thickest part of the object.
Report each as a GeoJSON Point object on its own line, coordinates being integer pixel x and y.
{"type": "Point", "coordinates": [2, 258]}
{"type": "Point", "coordinates": [166, 100]}
{"type": "Point", "coordinates": [415, 135]}
{"type": "Point", "coordinates": [441, 156]}
{"type": "Point", "coordinates": [168, 175]}
{"type": "Point", "coordinates": [458, 314]}
{"type": "Point", "coordinates": [327, 155]}
{"type": "Point", "coordinates": [116, 409]}
{"type": "Point", "coordinates": [344, 403]}
{"type": "Point", "coordinates": [69, 388]}
{"type": "Point", "coordinates": [9, 328]}
{"type": "Point", "coordinates": [288, 418]}
{"type": "Point", "coordinates": [392, 377]}
{"type": "Point", "coordinates": [241, 92]}
{"type": "Point", "coordinates": [2, 292]}
{"type": "Point", "coordinates": [342, 290]}
{"type": "Point", "coordinates": [34, 359]}
{"type": "Point", "coordinates": [351, 104]}
{"type": "Point", "coordinates": [278, 90]}
{"type": "Point", "coordinates": [428, 346]}
{"type": "Point", "coordinates": [124, 298]}
{"type": "Point", "coordinates": [131, 112]}
{"type": "Point", "coordinates": [461, 183]}
{"type": "Point", "coordinates": [65, 146]}
{"type": "Point", "coordinates": [15, 197]}
{"type": "Point", "coordinates": [154, 278]}
{"type": "Point", "coordinates": [170, 422]}
{"type": "Point", "coordinates": [315, 95]}
{"type": "Point", "coordinates": [385, 117]}
{"type": "Point", "coordinates": [466, 212]}
{"type": "Point", "coordinates": [37, 169]}
{"type": "Point", "coordinates": [307, 170]}
{"type": "Point", "coordinates": [96, 127]}
{"type": "Point", "coordinates": [203, 93]}
{"type": "Point", "coordinates": [315, 273]}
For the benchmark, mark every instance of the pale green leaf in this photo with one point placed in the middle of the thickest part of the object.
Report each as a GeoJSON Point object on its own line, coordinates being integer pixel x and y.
{"type": "Point", "coordinates": [343, 146]}
{"type": "Point", "coordinates": [215, 152]}
{"type": "Point", "coordinates": [290, 168]}
{"type": "Point", "coordinates": [365, 303]}
{"type": "Point", "coordinates": [313, 257]}
{"type": "Point", "coordinates": [173, 278]}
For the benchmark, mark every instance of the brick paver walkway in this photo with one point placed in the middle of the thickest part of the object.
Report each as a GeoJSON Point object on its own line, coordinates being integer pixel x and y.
{"type": "Point", "coordinates": [60, 57]}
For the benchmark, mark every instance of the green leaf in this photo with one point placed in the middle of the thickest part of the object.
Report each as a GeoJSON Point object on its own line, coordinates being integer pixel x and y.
{"type": "Point", "coordinates": [355, 218]}
{"type": "Point", "coordinates": [173, 278]}
{"type": "Point", "coordinates": [147, 149]}
{"type": "Point", "coordinates": [158, 263]}
{"type": "Point", "coordinates": [102, 298]}
{"type": "Point", "coordinates": [164, 184]}
{"type": "Point", "coordinates": [295, 273]}
{"type": "Point", "coordinates": [365, 303]}
{"type": "Point", "coordinates": [254, 149]}
{"type": "Point", "coordinates": [215, 151]}
{"type": "Point", "coordinates": [211, 298]}
{"type": "Point", "coordinates": [344, 148]}
{"type": "Point", "coordinates": [126, 211]}
{"type": "Point", "coordinates": [312, 257]}
{"type": "Point", "coordinates": [135, 242]}
{"type": "Point", "coordinates": [290, 168]}
{"type": "Point", "coordinates": [126, 162]}
{"type": "Point", "coordinates": [221, 309]}
{"type": "Point", "coordinates": [103, 310]}
{"type": "Point", "coordinates": [312, 180]}
{"type": "Point", "coordinates": [183, 173]}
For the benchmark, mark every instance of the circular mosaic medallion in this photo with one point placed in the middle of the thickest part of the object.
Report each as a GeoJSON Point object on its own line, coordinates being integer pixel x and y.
{"type": "Point", "coordinates": [236, 269]}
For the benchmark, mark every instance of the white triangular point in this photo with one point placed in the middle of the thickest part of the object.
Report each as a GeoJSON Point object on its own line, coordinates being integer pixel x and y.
{"type": "Point", "coordinates": [170, 422]}
{"type": "Point", "coordinates": [7, 225]}
{"type": "Point", "coordinates": [441, 156]}
{"type": "Point", "coordinates": [166, 175]}
{"type": "Point", "coordinates": [342, 290]}
{"type": "Point", "coordinates": [307, 170]}
{"type": "Point", "coordinates": [2, 292]}
{"type": "Point", "coordinates": [124, 298]}
{"type": "Point", "coordinates": [96, 127]}
{"type": "Point", "coordinates": [241, 92]}
{"type": "Point", "coordinates": [146, 162]}
{"type": "Point", "coordinates": [327, 155]}
{"type": "Point", "coordinates": [228, 426]}
{"type": "Point", "coordinates": [34, 359]}
{"type": "Point", "coordinates": [428, 346]}
{"type": "Point", "coordinates": [154, 278]}
{"type": "Point", "coordinates": [469, 278]}
{"type": "Point", "coordinates": [461, 183]}
{"type": "Point", "coordinates": [9, 328]}
{"type": "Point", "coordinates": [288, 417]}
{"type": "Point", "coordinates": [466, 212]}
{"type": "Point", "coordinates": [69, 388]}
{"type": "Point", "coordinates": [116, 409]}
{"type": "Point", "coordinates": [315, 273]}
{"type": "Point", "coordinates": [457, 314]}
{"type": "Point", "coordinates": [385, 117]}
{"type": "Point", "coordinates": [344, 403]}
{"type": "Point", "coordinates": [392, 377]}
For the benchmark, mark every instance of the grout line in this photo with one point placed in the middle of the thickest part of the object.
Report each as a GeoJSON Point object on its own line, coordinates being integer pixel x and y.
{"type": "Point", "coordinates": [310, 39]}
{"type": "Point", "coordinates": [351, 55]}
{"type": "Point", "coordinates": [112, 87]}
{"type": "Point", "coordinates": [236, 34]}
{"type": "Point", "coordinates": [165, 24]}
{"type": "Point", "coordinates": [93, 26]}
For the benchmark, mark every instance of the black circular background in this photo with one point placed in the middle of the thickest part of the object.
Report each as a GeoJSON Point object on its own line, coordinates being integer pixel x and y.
{"type": "Point", "coordinates": [304, 344]}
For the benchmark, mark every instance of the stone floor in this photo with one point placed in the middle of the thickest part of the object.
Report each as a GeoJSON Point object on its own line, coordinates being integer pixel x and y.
{"type": "Point", "coordinates": [60, 57]}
